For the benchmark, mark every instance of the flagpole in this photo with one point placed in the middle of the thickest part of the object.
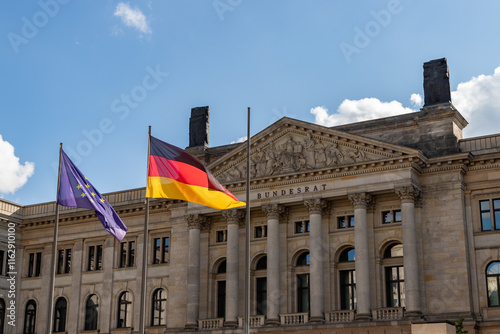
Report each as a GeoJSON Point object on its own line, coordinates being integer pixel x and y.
{"type": "Point", "coordinates": [145, 250]}
{"type": "Point", "coordinates": [50, 311]}
{"type": "Point", "coordinates": [247, 235]}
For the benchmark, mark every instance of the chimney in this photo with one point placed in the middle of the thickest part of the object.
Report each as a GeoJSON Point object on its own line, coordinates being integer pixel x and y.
{"type": "Point", "coordinates": [436, 82]}
{"type": "Point", "coordinates": [198, 127]}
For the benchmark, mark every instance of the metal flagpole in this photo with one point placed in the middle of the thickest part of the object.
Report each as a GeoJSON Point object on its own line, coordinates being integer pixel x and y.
{"type": "Point", "coordinates": [145, 251]}
{"type": "Point", "coordinates": [50, 311]}
{"type": "Point", "coordinates": [247, 235]}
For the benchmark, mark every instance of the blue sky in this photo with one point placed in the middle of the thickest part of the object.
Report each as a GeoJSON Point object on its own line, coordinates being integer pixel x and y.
{"type": "Point", "coordinates": [95, 74]}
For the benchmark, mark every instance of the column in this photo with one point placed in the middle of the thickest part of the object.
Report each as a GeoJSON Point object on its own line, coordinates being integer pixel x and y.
{"type": "Point", "coordinates": [407, 195]}
{"type": "Point", "coordinates": [360, 202]}
{"type": "Point", "coordinates": [273, 212]}
{"type": "Point", "coordinates": [316, 244]}
{"type": "Point", "coordinates": [193, 279]}
{"type": "Point", "coordinates": [233, 218]}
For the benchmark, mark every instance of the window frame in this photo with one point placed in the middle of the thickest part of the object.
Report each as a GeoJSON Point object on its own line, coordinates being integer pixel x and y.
{"type": "Point", "coordinates": [302, 226]}
{"type": "Point", "coordinates": [161, 314]}
{"type": "Point", "coordinates": [497, 277]}
{"type": "Point", "coordinates": [492, 213]}
{"type": "Point", "coordinates": [163, 250]}
{"type": "Point", "coordinates": [63, 264]}
{"type": "Point", "coordinates": [62, 316]}
{"type": "Point", "coordinates": [91, 320]}
{"type": "Point", "coordinates": [126, 255]}
{"type": "Point", "coordinates": [390, 262]}
{"type": "Point", "coordinates": [125, 315]}
{"type": "Point", "coordinates": [29, 326]}
{"type": "Point", "coordinates": [34, 263]}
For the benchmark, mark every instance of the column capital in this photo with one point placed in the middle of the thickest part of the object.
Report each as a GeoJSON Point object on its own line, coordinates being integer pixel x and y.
{"type": "Point", "coordinates": [197, 222]}
{"type": "Point", "coordinates": [410, 194]}
{"type": "Point", "coordinates": [273, 211]}
{"type": "Point", "coordinates": [316, 205]}
{"type": "Point", "coordinates": [360, 200]}
{"type": "Point", "coordinates": [233, 216]}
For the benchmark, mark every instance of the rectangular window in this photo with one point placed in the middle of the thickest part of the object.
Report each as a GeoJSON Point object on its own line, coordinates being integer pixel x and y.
{"type": "Point", "coordinates": [395, 286]}
{"type": "Point", "coordinates": [221, 236]}
{"type": "Point", "coordinates": [94, 261]}
{"type": "Point", "coordinates": [160, 250]}
{"type": "Point", "coordinates": [34, 264]}
{"type": "Point", "coordinates": [63, 261]}
{"type": "Point", "coordinates": [345, 221]}
{"type": "Point", "coordinates": [302, 227]}
{"type": "Point", "coordinates": [490, 214]}
{"type": "Point", "coordinates": [347, 290]}
{"type": "Point", "coordinates": [260, 231]}
{"type": "Point", "coordinates": [393, 216]}
{"type": "Point", "coordinates": [127, 254]}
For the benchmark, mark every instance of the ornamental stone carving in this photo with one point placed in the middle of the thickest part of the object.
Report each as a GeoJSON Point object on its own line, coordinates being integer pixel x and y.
{"type": "Point", "coordinates": [273, 211]}
{"type": "Point", "coordinates": [233, 216]}
{"type": "Point", "coordinates": [294, 154]}
{"type": "Point", "coordinates": [360, 200]}
{"type": "Point", "coordinates": [409, 194]}
{"type": "Point", "coordinates": [197, 222]}
{"type": "Point", "coordinates": [316, 206]}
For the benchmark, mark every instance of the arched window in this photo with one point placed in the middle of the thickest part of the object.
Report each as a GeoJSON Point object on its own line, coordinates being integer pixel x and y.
{"type": "Point", "coordinates": [2, 315]}
{"type": "Point", "coordinates": [159, 308]}
{"type": "Point", "coordinates": [30, 317]}
{"type": "Point", "coordinates": [59, 324]}
{"type": "Point", "coordinates": [91, 313]}
{"type": "Point", "coordinates": [261, 286]}
{"type": "Point", "coordinates": [492, 280]}
{"type": "Point", "coordinates": [394, 275]}
{"type": "Point", "coordinates": [124, 310]}
{"type": "Point", "coordinates": [220, 280]}
{"type": "Point", "coordinates": [347, 277]}
{"type": "Point", "coordinates": [302, 277]}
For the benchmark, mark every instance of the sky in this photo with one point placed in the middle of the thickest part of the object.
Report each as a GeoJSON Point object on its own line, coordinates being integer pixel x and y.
{"type": "Point", "coordinates": [95, 74]}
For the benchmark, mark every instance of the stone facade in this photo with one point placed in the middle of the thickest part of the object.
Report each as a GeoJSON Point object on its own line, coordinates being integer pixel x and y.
{"type": "Point", "coordinates": [409, 201]}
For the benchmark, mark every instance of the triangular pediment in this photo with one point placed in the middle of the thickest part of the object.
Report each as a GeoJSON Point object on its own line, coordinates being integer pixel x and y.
{"type": "Point", "coordinates": [290, 146]}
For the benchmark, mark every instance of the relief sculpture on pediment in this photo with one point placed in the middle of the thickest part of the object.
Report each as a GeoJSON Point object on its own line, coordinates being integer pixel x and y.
{"type": "Point", "coordinates": [294, 155]}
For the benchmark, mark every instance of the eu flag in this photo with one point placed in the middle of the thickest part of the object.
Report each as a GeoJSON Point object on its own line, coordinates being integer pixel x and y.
{"type": "Point", "coordinates": [76, 191]}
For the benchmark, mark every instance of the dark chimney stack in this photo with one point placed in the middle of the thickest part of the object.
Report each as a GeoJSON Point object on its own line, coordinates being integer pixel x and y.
{"type": "Point", "coordinates": [436, 82]}
{"type": "Point", "coordinates": [198, 127]}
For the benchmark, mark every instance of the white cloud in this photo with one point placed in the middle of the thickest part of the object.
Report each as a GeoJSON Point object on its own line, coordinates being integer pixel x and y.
{"type": "Point", "coordinates": [478, 100]}
{"type": "Point", "coordinates": [12, 174]}
{"type": "Point", "coordinates": [416, 100]}
{"type": "Point", "coordinates": [351, 111]}
{"type": "Point", "coordinates": [239, 140]}
{"type": "Point", "coordinates": [132, 17]}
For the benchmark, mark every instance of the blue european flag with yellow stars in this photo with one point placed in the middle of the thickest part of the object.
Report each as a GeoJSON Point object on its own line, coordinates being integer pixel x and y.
{"type": "Point", "coordinates": [76, 191]}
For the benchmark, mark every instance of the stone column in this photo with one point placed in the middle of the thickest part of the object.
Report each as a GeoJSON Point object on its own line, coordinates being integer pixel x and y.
{"type": "Point", "coordinates": [273, 212]}
{"type": "Point", "coordinates": [233, 218]}
{"type": "Point", "coordinates": [360, 202]}
{"type": "Point", "coordinates": [316, 243]}
{"type": "Point", "coordinates": [193, 279]}
{"type": "Point", "coordinates": [408, 195]}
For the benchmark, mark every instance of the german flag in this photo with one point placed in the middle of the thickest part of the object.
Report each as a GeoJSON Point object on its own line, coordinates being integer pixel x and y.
{"type": "Point", "coordinates": [177, 174]}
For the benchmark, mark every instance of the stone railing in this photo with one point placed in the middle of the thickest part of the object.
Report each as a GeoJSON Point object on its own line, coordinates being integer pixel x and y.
{"type": "Point", "coordinates": [255, 321]}
{"type": "Point", "coordinates": [340, 316]}
{"type": "Point", "coordinates": [485, 144]}
{"type": "Point", "coordinates": [211, 323]}
{"type": "Point", "coordinates": [388, 313]}
{"type": "Point", "coordinates": [294, 318]}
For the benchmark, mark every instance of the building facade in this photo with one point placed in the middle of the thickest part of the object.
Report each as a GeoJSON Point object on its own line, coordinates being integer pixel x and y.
{"type": "Point", "coordinates": [373, 227]}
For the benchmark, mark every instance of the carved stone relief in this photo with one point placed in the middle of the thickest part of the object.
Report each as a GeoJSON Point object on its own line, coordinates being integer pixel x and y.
{"type": "Point", "coordinates": [294, 154]}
